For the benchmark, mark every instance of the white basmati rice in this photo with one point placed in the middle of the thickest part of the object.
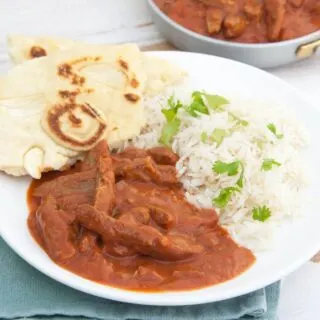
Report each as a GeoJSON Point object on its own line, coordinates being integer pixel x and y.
{"type": "Point", "coordinates": [279, 189]}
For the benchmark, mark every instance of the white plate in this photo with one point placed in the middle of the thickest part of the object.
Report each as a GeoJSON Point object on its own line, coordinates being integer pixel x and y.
{"type": "Point", "coordinates": [298, 242]}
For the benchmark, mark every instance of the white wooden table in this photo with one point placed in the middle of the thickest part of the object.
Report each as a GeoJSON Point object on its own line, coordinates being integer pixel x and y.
{"type": "Point", "coordinates": [119, 21]}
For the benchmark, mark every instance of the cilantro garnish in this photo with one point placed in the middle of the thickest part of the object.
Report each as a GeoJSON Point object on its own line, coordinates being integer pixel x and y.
{"type": "Point", "coordinates": [261, 213]}
{"type": "Point", "coordinates": [171, 128]}
{"type": "Point", "coordinates": [231, 168]}
{"type": "Point", "coordinates": [268, 163]}
{"type": "Point", "coordinates": [200, 105]}
{"type": "Point", "coordinates": [240, 180]}
{"type": "Point", "coordinates": [224, 196]}
{"type": "Point", "coordinates": [273, 129]}
{"type": "Point", "coordinates": [197, 105]}
{"type": "Point", "coordinates": [204, 137]}
{"type": "Point", "coordinates": [171, 112]}
{"type": "Point", "coordinates": [218, 135]}
{"type": "Point", "coordinates": [240, 121]}
{"type": "Point", "coordinates": [215, 102]}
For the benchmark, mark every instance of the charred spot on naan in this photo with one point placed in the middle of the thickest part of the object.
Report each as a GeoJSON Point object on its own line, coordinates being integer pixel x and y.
{"type": "Point", "coordinates": [124, 64]}
{"type": "Point", "coordinates": [65, 70]}
{"type": "Point", "coordinates": [132, 97]}
{"type": "Point", "coordinates": [75, 122]}
{"type": "Point", "coordinates": [75, 126]}
{"type": "Point", "coordinates": [85, 59]}
{"type": "Point", "coordinates": [37, 51]}
{"type": "Point", "coordinates": [134, 83]}
{"type": "Point", "coordinates": [71, 95]}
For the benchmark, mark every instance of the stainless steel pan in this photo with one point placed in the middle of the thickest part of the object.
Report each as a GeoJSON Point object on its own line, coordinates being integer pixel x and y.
{"type": "Point", "coordinates": [265, 55]}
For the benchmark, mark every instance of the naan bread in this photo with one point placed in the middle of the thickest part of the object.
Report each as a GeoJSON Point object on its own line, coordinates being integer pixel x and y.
{"type": "Point", "coordinates": [22, 48]}
{"type": "Point", "coordinates": [54, 108]}
{"type": "Point", "coordinates": [24, 147]}
{"type": "Point", "coordinates": [110, 80]}
{"type": "Point", "coordinates": [160, 73]}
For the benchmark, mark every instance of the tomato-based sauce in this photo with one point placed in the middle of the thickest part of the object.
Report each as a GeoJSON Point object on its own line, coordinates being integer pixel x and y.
{"type": "Point", "coordinates": [123, 220]}
{"type": "Point", "coordinates": [246, 21]}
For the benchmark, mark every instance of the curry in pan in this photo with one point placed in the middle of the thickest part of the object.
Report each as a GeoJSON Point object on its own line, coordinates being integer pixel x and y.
{"type": "Point", "coordinates": [246, 21]}
{"type": "Point", "coordinates": [123, 220]}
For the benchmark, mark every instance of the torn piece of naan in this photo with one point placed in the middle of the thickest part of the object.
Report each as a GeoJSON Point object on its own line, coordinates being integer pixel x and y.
{"type": "Point", "coordinates": [160, 73]}
{"type": "Point", "coordinates": [54, 108]}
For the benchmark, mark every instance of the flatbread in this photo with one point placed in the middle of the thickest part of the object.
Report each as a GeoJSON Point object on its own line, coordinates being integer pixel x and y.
{"type": "Point", "coordinates": [22, 48]}
{"type": "Point", "coordinates": [59, 105]}
{"type": "Point", "coordinates": [110, 80]}
{"type": "Point", "coordinates": [24, 147]}
{"type": "Point", "coordinates": [160, 73]}
{"type": "Point", "coordinates": [54, 108]}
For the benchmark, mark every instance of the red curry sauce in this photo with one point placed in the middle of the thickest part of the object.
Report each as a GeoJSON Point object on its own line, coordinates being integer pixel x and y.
{"type": "Point", "coordinates": [123, 220]}
{"type": "Point", "coordinates": [246, 21]}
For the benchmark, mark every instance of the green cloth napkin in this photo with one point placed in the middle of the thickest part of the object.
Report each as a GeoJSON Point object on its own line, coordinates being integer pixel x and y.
{"type": "Point", "coordinates": [26, 293]}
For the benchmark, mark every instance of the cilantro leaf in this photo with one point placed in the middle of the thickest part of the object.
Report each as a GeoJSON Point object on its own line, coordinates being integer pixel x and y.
{"type": "Point", "coordinates": [231, 168]}
{"type": "Point", "coordinates": [239, 183]}
{"type": "Point", "coordinates": [240, 121]}
{"type": "Point", "coordinates": [261, 213]}
{"type": "Point", "coordinates": [171, 112]}
{"type": "Point", "coordinates": [197, 105]}
{"type": "Point", "coordinates": [204, 137]}
{"type": "Point", "coordinates": [215, 102]}
{"type": "Point", "coordinates": [218, 135]}
{"type": "Point", "coordinates": [224, 196]}
{"type": "Point", "coordinates": [260, 143]}
{"type": "Point", "coordinates": [273, 129]}
{"type": "Point", "coordinates": [268, 163]}
{"type": "Point", "coordinates": [171, 102]}
{"type": "Point", "coordinates": [197, 96]}
{"type": "Point", "coordinates": [169, 130]}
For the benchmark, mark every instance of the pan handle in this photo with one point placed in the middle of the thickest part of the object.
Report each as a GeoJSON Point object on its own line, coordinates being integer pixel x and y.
{"type": "Point", "coordinates": [308, 49]}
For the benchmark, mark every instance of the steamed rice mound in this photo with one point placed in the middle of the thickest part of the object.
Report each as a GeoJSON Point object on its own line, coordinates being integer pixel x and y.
{"type": "Point", "coordinates": [279, 189]}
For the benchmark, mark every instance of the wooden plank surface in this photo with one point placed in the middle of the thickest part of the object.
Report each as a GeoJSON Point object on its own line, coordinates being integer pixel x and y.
{"type": "Point", "coordinates": [96, 21]}
{"type": "Point", "coordinates": [316, 258]}
{"type": "Point", "coordinates": [161, 46]}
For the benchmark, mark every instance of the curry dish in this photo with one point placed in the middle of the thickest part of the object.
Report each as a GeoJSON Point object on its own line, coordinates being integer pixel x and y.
{"type": "Point", "coordinates": [123, 220]}
{"type": "Point", "coordinates": [247, 21]}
